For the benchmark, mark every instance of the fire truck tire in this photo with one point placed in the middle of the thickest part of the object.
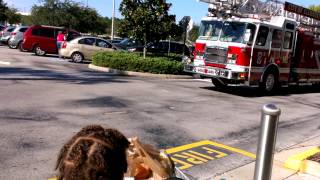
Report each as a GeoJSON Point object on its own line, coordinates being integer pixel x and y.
{"type": "Point", "coordinates": [218, 83]}
{"type": "Point", "coordinates": [316, 85]}
{"type": "Point", "coordinates": [270, 82]}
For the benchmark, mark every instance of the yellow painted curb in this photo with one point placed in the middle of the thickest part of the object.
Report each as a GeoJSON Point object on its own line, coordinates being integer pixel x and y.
{"type": "Point", "coordinates": [206, 142]}
{"type": "Point", "coordinates": [299, 163]}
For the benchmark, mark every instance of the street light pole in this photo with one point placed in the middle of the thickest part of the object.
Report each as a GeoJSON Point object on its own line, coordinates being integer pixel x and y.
{"type": "Point", "coordinates": [112, 25]}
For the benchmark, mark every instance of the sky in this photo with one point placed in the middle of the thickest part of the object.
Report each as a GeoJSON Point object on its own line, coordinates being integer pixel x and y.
{"type": "Point", "coordinates": [179, 7]}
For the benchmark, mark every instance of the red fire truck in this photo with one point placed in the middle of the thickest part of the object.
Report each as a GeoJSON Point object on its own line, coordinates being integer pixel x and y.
{"type": "Point", "coordinates": [265, 45]}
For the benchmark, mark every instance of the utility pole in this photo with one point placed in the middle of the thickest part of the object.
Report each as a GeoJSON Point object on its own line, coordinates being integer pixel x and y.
{"type": "Point", "coordinates": [112, 25]}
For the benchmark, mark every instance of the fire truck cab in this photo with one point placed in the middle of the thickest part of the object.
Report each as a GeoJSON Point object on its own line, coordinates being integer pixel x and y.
{"type": "Point", "coordinates": [257, 52]}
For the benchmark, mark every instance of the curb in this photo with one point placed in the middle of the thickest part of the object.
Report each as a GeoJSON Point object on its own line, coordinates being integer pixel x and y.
{"type": "Point", "coordinates": [299, 163]}
{"type": "Point", "coordinates": [138, 74]}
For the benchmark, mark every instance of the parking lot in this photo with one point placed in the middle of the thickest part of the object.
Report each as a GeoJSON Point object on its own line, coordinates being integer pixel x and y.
{"type": "Point", "coordinates": [44, 100]}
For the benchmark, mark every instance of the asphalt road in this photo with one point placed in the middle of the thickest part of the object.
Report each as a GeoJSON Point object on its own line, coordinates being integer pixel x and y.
{"type": "Point", "coordinates": [44, 101]}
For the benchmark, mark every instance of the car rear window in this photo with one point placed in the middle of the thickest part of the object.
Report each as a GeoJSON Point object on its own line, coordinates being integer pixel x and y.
{"type": "Point", "coordinates": [10, 29]}
{"type": "Point", "coordinates": [87, 41]}
{"type": "Point", "coordinates": [72, 35]}
{"type": "Point", "coordinates": [23, 29]}
{"type": "Point", "coordinates": [102, 43]}
{"type": "Point", "coordinates": [45, 32]}
{"type": "Point", "coordinates": [35, 32]}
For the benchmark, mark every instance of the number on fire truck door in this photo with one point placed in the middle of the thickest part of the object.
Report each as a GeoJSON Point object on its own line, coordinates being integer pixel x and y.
{"type": "Point", "coordinates": [259, 58]}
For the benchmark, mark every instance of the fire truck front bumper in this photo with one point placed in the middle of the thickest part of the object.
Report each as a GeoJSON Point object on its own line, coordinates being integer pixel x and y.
{"type": "Point", "coordinates": [214, 72]}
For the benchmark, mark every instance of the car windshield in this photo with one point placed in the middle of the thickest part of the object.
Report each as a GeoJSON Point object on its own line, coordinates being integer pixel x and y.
{"type": "Point", "coordinates": [210, 30]}
{"type": "Point", "coordinates": [125, 41]}
{"type": "Point", "coordinates": [233, 32]}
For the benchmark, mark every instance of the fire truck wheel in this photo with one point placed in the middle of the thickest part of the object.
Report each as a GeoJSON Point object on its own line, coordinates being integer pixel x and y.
{"type": "Point", "coordinates": [218, 83]}
{"type": "Point", "coordinates": [316, 85]}
{"type": "Point", "coordinates": [270, 82]}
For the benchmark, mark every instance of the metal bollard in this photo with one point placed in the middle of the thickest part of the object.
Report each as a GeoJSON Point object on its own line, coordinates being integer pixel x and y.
{"type": "Point", "coordinates": [268, 133]}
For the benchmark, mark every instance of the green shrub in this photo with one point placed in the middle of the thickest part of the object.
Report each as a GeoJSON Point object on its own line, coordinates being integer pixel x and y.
{"type": "Point", "coordinates": [135, 62]}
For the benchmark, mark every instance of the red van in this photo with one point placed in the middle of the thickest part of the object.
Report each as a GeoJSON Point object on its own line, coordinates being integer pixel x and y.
{"type": "Point", "coordinates": [42, 39]}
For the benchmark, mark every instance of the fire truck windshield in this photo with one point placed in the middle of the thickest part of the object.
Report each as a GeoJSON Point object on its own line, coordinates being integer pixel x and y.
{"type": "Point", "coordinates": [233, 32]}
{"type": "Point", "coordinates": [226, 31]}
{"type": "Point", "coordinates": [210, 30]}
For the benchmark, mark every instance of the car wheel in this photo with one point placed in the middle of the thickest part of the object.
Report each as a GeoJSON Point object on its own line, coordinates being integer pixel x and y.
{"type": "Point", "coordinates": [270, 83]}
{"type": "Point", "coordinates": [38, 51]}
{"type": "Point", "coordinates": [77, 57]}
{"type": "Point", "coordinates": [20, 47]}
{"type": "Point", "coordinates": [12, 46]}
{"type": "Point", "coordinates": [218, 83]}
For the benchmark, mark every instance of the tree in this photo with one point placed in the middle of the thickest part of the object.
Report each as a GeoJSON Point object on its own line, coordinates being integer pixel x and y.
{"type": "Point", "coordinates": [12, 16]}
{"type": "Point", "coordinates": [194, 33]}
{"type": "Point", "coordinates": [181, 31]}
{"type": "Point", "coordinates": [3, 9]}
{"type": "Point", "coordinates": [315, 8]}
{"type": "Point", "coordinates": [69, 14]}
{"type": "Point", "coordinates": [184, 25]}
{"type": "Point", "coordinates": [176, 32]}
{"type": "Point", "coordinates": [7, 14]}
{"type": "Point", "coordinates": [146, 20]}
{"type": "Point", "coordinates": [26, 20]}
{"type": "Point", "coordinates": [117, 22]}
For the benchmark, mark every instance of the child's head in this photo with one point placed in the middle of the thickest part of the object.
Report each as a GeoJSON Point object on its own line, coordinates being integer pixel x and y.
{"type": "Point", "coordinates": [94, 153]}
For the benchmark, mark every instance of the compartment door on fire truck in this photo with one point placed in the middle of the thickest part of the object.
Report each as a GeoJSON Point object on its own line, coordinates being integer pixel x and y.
{"type": "Point", "coordinates": [306, 59]}
{"type": "Point", "coordinates": [281, 49]}
{"type": "Point", "coordinates": [260, 53]}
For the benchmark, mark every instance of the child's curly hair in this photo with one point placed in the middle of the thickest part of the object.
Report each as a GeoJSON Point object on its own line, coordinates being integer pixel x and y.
{"type": "Point", "coordinates": [94, 153]}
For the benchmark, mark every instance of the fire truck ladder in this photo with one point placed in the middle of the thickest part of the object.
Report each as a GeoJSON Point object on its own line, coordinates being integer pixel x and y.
{"type": "Point", "coordinates": [244, 8]}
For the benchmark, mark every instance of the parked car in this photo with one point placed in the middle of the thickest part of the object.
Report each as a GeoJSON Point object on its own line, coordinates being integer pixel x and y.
{"type": "Point", "coordinates": [42, 39]}
{"type": "Point", "coordinates": [163, 47]}
{"type": "Point", "coordinates": [116, 40]}
{"type": "Point", "coordinates": [16, 37]}
{"type": "Point", "coordinates": [129, 43]}
{"type": "Point", "coordinates": [5, 34]}
{"type": "Point", "coordinates": [2, 27]}
{"type": "Point", "coordinates": [83, 48]}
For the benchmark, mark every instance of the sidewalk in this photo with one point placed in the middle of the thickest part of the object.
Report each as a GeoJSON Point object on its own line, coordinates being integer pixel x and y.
{"type": "Point", "coordinates": [279, 171]}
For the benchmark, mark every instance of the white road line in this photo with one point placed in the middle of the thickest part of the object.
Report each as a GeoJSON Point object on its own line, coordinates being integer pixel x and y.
{"type": "Point", "coordinates": [5, 63]}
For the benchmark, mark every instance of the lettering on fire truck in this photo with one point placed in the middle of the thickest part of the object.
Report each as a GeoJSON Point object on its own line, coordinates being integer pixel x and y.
{"type": "Point", "coordinates": [202, 152]}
